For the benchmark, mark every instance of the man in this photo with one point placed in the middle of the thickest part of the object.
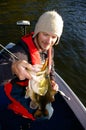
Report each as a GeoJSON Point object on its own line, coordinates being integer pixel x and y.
{"type": "Point", "coordinates": [33, 49]}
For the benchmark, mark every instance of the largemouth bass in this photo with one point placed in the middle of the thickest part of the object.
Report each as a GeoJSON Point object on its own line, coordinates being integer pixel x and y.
{"type": "Point", "coordinates": [40, 91]}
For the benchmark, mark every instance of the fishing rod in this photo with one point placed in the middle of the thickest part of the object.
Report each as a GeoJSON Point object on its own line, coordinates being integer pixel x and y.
{"type": "Point", "coordinates": [9, 52]}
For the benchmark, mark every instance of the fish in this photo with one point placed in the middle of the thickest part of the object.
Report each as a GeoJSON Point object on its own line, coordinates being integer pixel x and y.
{"type": "Point", "coordinates": [40, 91]}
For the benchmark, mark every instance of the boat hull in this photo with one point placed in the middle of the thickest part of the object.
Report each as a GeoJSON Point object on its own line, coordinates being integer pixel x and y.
{"type": "Point", "coordinates": [68, 115]}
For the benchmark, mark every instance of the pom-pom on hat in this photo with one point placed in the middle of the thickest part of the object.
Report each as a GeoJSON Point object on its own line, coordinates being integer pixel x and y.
{"type": "Point", "coordinates": [50, 22]}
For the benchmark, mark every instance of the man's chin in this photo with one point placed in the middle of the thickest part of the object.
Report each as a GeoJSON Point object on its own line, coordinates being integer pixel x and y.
{"type": "Point", "coordinates": [45, 48]}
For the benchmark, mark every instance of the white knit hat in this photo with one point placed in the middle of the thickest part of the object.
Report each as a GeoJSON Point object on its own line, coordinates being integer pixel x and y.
{"type": "Point", "coordinates": [50, 22]}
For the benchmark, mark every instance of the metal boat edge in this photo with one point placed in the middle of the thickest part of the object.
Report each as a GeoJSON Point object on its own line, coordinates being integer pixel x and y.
{"type": "Point", "coordinates": [75, 104]}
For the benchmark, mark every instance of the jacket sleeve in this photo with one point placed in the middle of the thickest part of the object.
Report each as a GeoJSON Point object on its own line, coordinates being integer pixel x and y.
{"type": "Point", "coordinates": [6, 61]}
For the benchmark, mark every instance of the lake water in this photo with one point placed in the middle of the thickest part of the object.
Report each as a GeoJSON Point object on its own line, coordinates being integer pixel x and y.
{"type": "Point", "coordinates": [70, 54]}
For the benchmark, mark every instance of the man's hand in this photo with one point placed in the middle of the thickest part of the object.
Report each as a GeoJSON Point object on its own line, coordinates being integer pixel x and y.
{"type": "Point", "coordinates": [54, 85]}
{"type": "Point", "coordinates": [21, 69]}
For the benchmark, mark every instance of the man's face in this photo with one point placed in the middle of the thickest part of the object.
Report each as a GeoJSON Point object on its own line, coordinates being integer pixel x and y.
{"type": "Point", "coordinates": [46, 40]}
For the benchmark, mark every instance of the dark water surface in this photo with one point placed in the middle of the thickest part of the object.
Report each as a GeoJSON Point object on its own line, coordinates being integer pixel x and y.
{"type": "Point", "coordinates": [70, 54]}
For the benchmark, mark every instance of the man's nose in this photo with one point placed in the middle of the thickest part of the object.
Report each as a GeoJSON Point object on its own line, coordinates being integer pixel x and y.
{"type": "Point", "coordinates": [49, 40]}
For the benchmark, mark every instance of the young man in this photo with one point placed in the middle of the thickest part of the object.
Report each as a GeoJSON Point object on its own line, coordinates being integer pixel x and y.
{"type": "Point", "coordinates": [32, 49]}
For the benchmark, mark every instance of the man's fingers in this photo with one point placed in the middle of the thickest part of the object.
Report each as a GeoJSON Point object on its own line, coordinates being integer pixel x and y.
{"type": "Point", "coordinates": [21, 69]}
